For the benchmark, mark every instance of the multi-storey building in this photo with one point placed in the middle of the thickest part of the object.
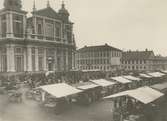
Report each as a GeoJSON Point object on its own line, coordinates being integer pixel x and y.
{"type": "Point", "coordinates": [42, 42]}
{"type": "Point", "coordinates": [142, 61]}
{"type": "Point", "coordinates": [103, 58]}
{"type": "Point", "coordinates": [159, 63]}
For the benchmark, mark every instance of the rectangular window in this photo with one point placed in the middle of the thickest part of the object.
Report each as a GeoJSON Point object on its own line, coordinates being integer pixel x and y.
{"type": "Point", "coordinates": [3, 25]}
{"type": "Point", "coordinates": [19, 59]}
{"type": "Point", "coordinates": [57, 31]}
{"type": "Point", "coordinates": [39, 28]}
{"type": "Point", "coordinates": [49, 30]}
{"type": "Point", "coordinates": [40, 61]}
{"type": "Point", "coordinates": [18, 25]}
{"type": "Point", "coordinates": [3, 60]}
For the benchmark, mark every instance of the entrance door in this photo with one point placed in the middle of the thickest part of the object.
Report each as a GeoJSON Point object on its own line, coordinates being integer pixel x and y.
{"type": "Point", "coordinates": [50, 66]}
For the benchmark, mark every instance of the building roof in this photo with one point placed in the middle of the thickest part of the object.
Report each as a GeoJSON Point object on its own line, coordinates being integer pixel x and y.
{"type": "Point", "coordinates": [160, 58]}
{"type": "Point", "coordinates": [137, 55]}
{"type": "Point", "coordinates": [98, 48]}
{"type": "Point", "coordinates": [47, 12]}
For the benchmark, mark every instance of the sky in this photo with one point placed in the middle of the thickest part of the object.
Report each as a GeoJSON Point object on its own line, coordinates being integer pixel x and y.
{"type": "Point", "coordinates": [125, 24]}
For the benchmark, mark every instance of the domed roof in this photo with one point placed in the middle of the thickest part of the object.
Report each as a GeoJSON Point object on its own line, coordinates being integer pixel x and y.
{"type": "Point", "coordinates": [63, 10]}
{"type": "Point", "coordinates": [13, 4]}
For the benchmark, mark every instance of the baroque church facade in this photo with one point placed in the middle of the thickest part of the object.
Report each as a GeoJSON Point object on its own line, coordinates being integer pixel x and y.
{"type": "Point", "coordinates": [42, 42]}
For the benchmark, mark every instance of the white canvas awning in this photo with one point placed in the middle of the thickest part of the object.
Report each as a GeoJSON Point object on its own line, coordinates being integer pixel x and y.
{"type": "Point", "coordinates": [60, 90]}
{"type": "Point", "coordinates": [156, 74]}
{"type": "Point", "coordinates": [160, 87]}
{"type": "Point", "coordinates": [94, 70]}
{"type": "Point", "coordinates": [144, 94]}
{"type": "Point", "coordinates": [145, 76]}
{"type": "Point", "coordinates": [86, 85]}
{"type": "Point", "coordinates": [120, 79]}
{"type": "Point", "coordinates": [103, 82]}
{"type": "Point", "coordinates": [132, 78]}
{"type": "Point", "coordinates": [164, 71]}
{"type": "Point", "coordinates": [49, 72]}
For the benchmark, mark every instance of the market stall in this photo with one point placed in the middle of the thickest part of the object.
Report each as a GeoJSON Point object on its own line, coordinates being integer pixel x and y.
{"type": "Point", "coordinates": [57, 96]}
{"type": "Point", "coordinates": [137, 82]}
{"type": "Point", "coordinates": [91, 92]}
{"type": "Point", "coordinates": [146, 79]}
{"type": "Point", "coordinates": [137, 102]}
{"type": "Point", "coordinates": [164, 71]}
{"type": "Point", "coordinates": [107, 86]}
{"type": "Point", "coordinates": [123, 83]}
{"type": "Point", "coordinates": [157, 77]}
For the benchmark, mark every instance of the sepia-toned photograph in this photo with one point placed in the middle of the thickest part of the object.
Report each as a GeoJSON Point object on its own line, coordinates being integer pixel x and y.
{"type": "Point", "coordinates": [83, 60]}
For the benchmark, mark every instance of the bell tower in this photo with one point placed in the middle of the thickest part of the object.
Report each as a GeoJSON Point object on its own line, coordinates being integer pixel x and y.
{"type": "Point", "coordinates": [13, 4]}
{"type": "Point", "coordinates": [13, 20]}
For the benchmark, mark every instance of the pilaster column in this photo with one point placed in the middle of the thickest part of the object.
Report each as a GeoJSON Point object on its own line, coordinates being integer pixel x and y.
{"type": "Point", "coordinates": [73, 60]}
{"type": "Point", "coordinates": [66, 66]}
{"type": "Point", "coordinates": [44, 32]}
{"type": "Point", "coordinates": [10, 59]}
{"type": "Point", "coordinates": [25, 58]}
{"type": "Point", "coordinates": [0, 60]}
{"type": "Point", "coordinates": [55, 60]}
{"type": "Point", "coordinates": [36, 59]}
{"type": "Point", "coordinates": [24, 26]}
{"type": "Point", "coordinates": [7, 25]}
{"type": "Point", "coordinates": [54, 31]}
{"type": "Point", "coordinates": [29, 59]}
{"type": "Point", "coordinates": [0, 27]}
{"type": "Point", "coordinates": [35, 27]}
{"type": "Point", "coordinates": [45, 61]}
{"type": "Point", "coordinates": [62, 29]}
{"type": "Point", "coordinates": [9, 19]}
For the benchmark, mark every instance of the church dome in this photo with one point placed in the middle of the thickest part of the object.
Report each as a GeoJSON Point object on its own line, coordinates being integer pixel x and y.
{"type": "Point", "coordinates": [63, 10]}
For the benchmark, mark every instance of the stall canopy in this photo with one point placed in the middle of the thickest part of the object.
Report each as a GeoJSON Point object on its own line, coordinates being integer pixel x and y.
{"type": "Point", "coordinates": [160, 87]}
{"type": "Point", "coordinates": [144, 94]}
{"type": "Point", "coordinates": [86, 85]}
{"type": "Point", "coordinates": [164, 71]}
{"type": "Point", "coordinates": [156, 74]}
{"type": "Point", "coordinates": [60, 90]}
{"type": "Point", "coordinates": [120, 79]}
{"type": "Point", "coordinates": [145, 76]}
{"type": "Point", "coordinates": [49, 72]}
{"type": "Point", "coordinates": [95, 70]}
{"type": "Point", "coordinates": [103, 82]}
{"type": "Point", "coordinates": [132, 78]}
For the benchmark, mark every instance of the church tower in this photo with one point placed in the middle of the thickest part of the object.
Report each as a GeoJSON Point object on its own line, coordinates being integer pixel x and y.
{"type": "Point", "coordinates": [63, 12]}
{"type": "Point", "coordinates": [12, 19]}
{"type": "Point", "coordinates": [13, 4]}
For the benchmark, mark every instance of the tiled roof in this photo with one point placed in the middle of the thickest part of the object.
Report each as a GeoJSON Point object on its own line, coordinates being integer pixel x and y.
{"type": "Point", "coordinates": [137, 55]}
{"type": "Point", "coordinates": [48, 12]}
{"type": "Point", "coordinates": [98, 48]}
